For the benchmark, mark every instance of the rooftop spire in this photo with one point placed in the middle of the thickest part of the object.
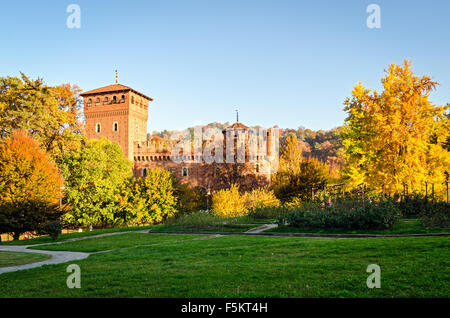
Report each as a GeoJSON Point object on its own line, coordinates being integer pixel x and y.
{"type": "Point", "coordinates": [117, 77]}
{"type": "Point", "coordinates": [237, 116]}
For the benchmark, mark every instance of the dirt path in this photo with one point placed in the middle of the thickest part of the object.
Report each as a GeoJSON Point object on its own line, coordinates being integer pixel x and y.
{"type": "Point", "coordinates": [262, 228]}
{"type": "Point", "coordinates": [56, 258]}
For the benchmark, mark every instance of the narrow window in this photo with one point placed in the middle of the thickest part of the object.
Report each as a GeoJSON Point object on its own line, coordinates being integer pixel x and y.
{"type": "Point", "coordinates": [116, 126]}
{"type": "Point", "coordinates": [132, 99]}
{"type": "Point", "coordinates": [89, 103]}
{"type": "Point", "coordinates": [98, 128]}
{"type": "Point", "coordinates": [122, 99]}
{"type": "Point", "coordinates": [144, 172]}
{"type": "Point", "coordinates": [184, 172]}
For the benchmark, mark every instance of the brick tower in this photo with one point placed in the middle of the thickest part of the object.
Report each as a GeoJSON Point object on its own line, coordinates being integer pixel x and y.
{"type": "Point", "coordinates": [118, 113]}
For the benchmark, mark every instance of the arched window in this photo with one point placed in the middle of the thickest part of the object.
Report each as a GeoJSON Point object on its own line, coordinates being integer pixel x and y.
{"type": "Point", "coordinates": [89, 103]}
{"type": "Point", "coordinates": [114, 100]}
{"type": "Point", "coordinates": [105, 101]}
{"type": "Point", "coordinates": [98, 128]}
{"type": "Point", "coordinates": [97, 101]}
{"type": "Point", "coordinates": [115, 126]}
{"type": "Point", "coordinates": [144, 172]}
{"type": "Point", "coordinates": [122, 99]}
{"type": "Point", "coordinates": [184, 172]}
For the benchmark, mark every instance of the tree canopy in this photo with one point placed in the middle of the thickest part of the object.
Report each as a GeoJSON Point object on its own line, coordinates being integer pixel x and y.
{"type": "Point", "coordinates": [94, 178]}
{"type": "Point", "coordinates": [50, 114]}
{"type": "Point", "coordinates": [396, 136]}
{"type": "Point", "coordinates": [29, 185]}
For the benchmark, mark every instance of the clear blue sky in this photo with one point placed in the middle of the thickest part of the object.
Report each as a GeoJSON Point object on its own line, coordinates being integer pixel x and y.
{"type": "Point", "coordinates": [286, 63]}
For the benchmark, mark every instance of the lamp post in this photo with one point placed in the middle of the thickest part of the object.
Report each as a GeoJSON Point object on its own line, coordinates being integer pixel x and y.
{"type": "Point", "coordinates": [208, 193]}
{"type": "Point", "coordinates": [61, 189]}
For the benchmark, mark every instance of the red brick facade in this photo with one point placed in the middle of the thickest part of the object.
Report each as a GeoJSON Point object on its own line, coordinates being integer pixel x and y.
{"type": "Point", "coordinates": [120, 114]}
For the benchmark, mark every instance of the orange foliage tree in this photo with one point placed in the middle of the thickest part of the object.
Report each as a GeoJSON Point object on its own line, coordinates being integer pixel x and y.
{"type": "Point", "coordinates": [29, 185]}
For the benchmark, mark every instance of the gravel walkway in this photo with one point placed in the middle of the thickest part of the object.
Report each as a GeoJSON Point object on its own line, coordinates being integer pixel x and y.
{"type": "Point", "coordinates": [262, 228]}
{"type": "Point", "coordinates": [56, 257]}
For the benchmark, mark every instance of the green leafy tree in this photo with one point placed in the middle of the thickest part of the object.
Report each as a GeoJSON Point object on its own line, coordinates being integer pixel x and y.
{"type": "Point", "coordinates": [29, 185]}
{"type": "Point", "coordinates": [94, 180]}
{"type": "Point", "coordinates": [152, 199]}
{"type": "Point", "coordinates": [50, 114]}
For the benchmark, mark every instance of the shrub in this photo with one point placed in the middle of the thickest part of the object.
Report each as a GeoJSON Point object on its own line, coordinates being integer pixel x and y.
{"type": "Point", "coordinates": [198, 219]}
{"type": "Point", "coordinates": [295, 202]}
{"type": "Point", "coordinates": [413, 205]}
{"type": "Point", "coordinates": [229, 202]}
{"type": "Point", "coordinates": [269, 212]}
{"type": "Point", "coordinates": [261, 198]}
{"type": "Point", "coordinates": [53, 229]}
{"type": "Point", "coordinates": [436, 215]}
{"type": "Point", "coordinates": [190, 198]}
{"type": "Point", "coordinates": [373, 216]}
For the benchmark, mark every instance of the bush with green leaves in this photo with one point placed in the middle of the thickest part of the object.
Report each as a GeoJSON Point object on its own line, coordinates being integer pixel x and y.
{"type": "Point", "coordinates": [198, 219]}
{"type": "Point", "coordinates": [53, 229]}
{"type": "Point", "coordinates": [436, 214]}
{"type": "Point", "coordinates": [412, 205]}
{"type": "Point", "coordinates": [369, 216]}
{"type": "Point", "coordinates": [269, 212]}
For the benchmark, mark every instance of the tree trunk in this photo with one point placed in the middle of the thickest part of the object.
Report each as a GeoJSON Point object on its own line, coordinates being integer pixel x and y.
{"type": "Point", "coordinates": [16, 236]}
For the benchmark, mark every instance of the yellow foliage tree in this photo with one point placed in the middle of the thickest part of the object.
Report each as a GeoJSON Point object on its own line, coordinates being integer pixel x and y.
{"type": "Point", "coordinates": [396, 136]}
{"type": "Point", "coordinates": [229, 202]}
{"type": "Point", "coordinates": [261, 198]}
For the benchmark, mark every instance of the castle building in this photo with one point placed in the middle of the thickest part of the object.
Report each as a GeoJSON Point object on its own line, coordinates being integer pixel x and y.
{"type": "Point", "coordinates": [120, 113]}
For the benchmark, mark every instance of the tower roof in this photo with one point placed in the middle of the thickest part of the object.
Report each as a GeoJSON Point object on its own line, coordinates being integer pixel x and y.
{"type": "Point", "coordinates": [114, 88]}
{"type": "Point", "coordinates": [238, 125]}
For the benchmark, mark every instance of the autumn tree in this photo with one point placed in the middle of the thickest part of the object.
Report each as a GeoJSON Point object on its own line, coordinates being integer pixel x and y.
{"type": "Point", "coordinates": [29, 185]}
{"type": "Point", "coordinates": [296, 175]}
{"type": "Point", "coordinates": [397, 135]}
{"type": "Point", "coordinates": [50, 114]}
{"type": "Point", "coordinates": [94, 178]}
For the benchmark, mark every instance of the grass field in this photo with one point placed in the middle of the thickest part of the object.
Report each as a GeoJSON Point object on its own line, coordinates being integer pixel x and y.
{"type": "Point", "coordinates": [19, 258]}
{"type": "Point", "coordinates": [158, 265]}
{"type": "Point", "coordinates": [409, 226]}
{"type": "Point", "coordinates": [48, 239]}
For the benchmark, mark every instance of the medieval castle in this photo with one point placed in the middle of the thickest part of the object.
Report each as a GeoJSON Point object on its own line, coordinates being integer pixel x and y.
{"type": "Point", "coordinates": [120, 114]}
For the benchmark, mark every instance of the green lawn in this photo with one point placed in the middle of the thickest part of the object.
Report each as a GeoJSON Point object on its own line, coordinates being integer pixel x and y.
{"type": "Point", "coordinates": [243, 266]}
{"type": "Point", "coordinates": [48, 239]}
{"type": "Point", "coordinates": [107, 243]}
{"type": "Point", "coordinates": [18, 258]}
{"type": "Point", "coordinates": [210, 228]}
{"type": "Point", "coordinates": [411, 226]}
